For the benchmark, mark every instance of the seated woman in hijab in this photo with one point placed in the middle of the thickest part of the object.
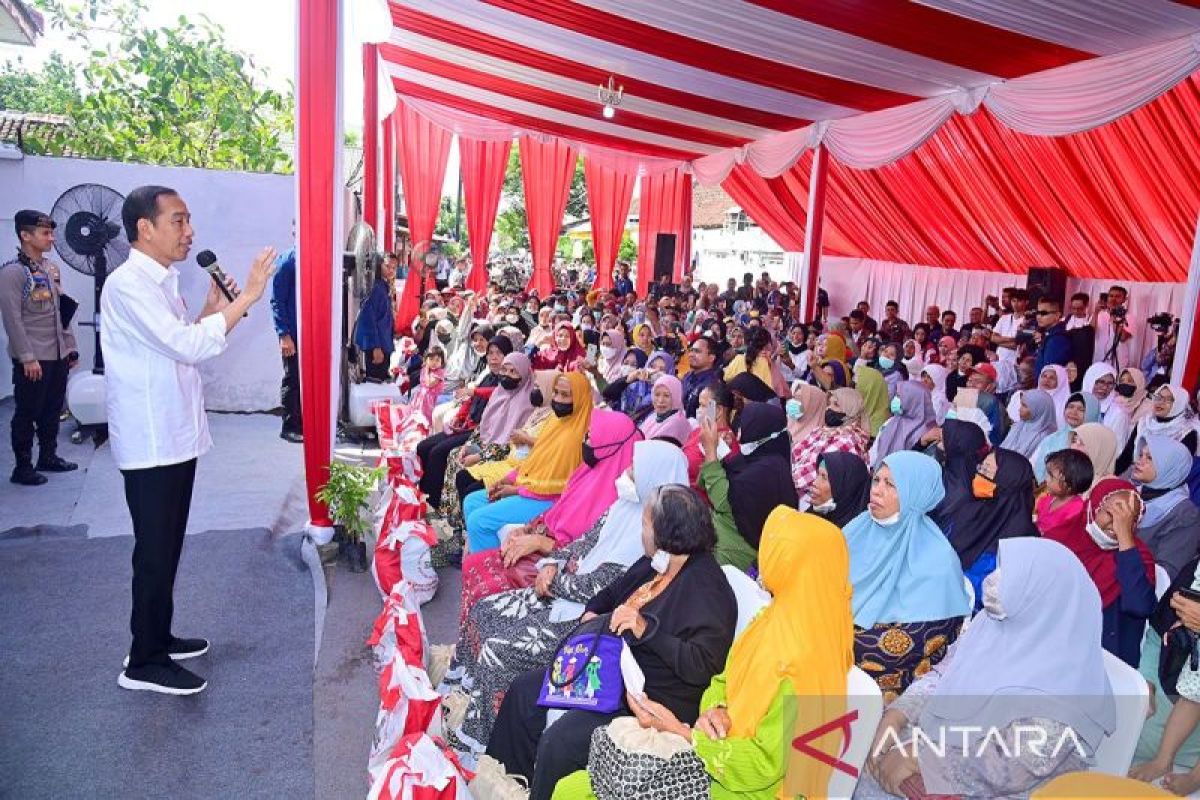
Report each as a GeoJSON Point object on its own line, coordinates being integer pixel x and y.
{"type": "Point", "coordinates": [799, 645]}
{"type": "Point", "coordinates": [1081, 408]}
{"type": "Point", "coordinates": [1100, 381]}
{"type": "Point", "coordinates": [934, 377]}
{"type": "Point", "coordinates": [610, 367]}
{"type": "Point", "coordinates": [493, 565]}
{"type": "Point", "coordinates": [1097, 442]}
{"type": "Point", "coordinates": [842, 488]}
{"type": "Point", "coordinates": [718, 401]}
{"type": "Point", "coordinates": [890, 365]}
{"type": "Point", "coordinates": [564, 352]}
{"type": "Point", "coordinates": [1039, 631]}
{"type": "Point", "coordinates": [631, 394]}
{"type": "Point", "coordinates": [998, 505]}
{"type": "Point", "coordinates": [912, 416]}
{"type": "Point", "coordinates": [966, 358]}
{"type": "Point", "coordinates": [643, 339]}
{"type": "Point", "coordinates": [833, 370]}
{"type": "Point", "coordinates": [1171, 525]}
{"type": "Point", "coordinates": [518, 630]}
{"type": "Point", "coordinates": [747, 388]}
{"type": "Point", "coordinates": [435, 449]}
{"type": "Point", "coordinates": [805, 410]}
{"type": "Point", "coordinates": [843, 430]}
{"type": "Point", "coordinates": [1034, 422]}
{"type": "Point", "coordinates": [675, 610]}
{"type": "Point", "coordinates": [1172, 418]}
{"type": "Point", "coordinates": [751, 482]}
{"type": "Point", "coordinates": [666, 419]}
{"type": "Point", "coordinates": [909, 598]}
{"type": "Point", "coordinates": [760, 360]}
{"type": "Point", "coordinates": [913, 358]}
{"type": "Point", "coordinates": [1053, 380]}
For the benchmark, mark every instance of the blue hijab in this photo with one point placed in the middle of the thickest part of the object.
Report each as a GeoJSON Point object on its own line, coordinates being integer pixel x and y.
{"type": "Point", "coordinates": [906, 572]}
{"type": "Point", "coordinates": [1061, 438]}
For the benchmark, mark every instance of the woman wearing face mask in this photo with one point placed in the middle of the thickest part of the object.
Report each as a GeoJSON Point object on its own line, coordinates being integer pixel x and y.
{"type": "Point", "coordinates": [666, 419]}
{"type": "Point", "coordinates": [842, 430]}
{"type": "Point", "coordinates": [999, 505]}
{"type": "Point", "coordinates": [1035, 422]}
{"type": "Point", "coordinates": [934, 377]}
{"type": "Point", "coordinates": [842, 488]}
{"type": "Point", "coordinates": [805, 410]}
{"type": "Point", "coordinates": [758, 472]}
{"type": "Point", "coordinates": [1030, 666]}
{"type": "Point", "coordinates": [912, 416]}
{"type": "Point", "coordinates": [909, 598]}
{"type": "Point", "coordinates": [891, 367]}
{"type": "Point", "coordinates": [517, 630]}
{"type": "Point", "coordinates": [1080, 409]}
{"type": "Point", "coordinates": [799, 646]}
{"type": "Point", "coordinates": [606, 453]}
{"type": "Point", "coordinates": [610, 367]}
{"type": "Point", "coordinates": [676, 611]}
{"type": "Point", "coordinates": [1104, 538]}
{"type": "Point", "coordinates": [1171, 524]}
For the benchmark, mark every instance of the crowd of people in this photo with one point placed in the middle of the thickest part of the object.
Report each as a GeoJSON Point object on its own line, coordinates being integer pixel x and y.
{"type": "Point", "coordinates": [958, 511]}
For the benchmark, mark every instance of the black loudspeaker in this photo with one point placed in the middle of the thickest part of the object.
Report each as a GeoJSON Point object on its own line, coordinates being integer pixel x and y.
{"type": "Point", "coordinates": [664, 257]}
{"type": "Point", "coordinates": [1047, 282]}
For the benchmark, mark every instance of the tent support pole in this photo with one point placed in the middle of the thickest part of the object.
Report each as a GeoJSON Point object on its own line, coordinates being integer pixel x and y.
{"type": "Point", "coordinates": [1186, 368]}
{"type": "Point", "coordinates": [810, 264]}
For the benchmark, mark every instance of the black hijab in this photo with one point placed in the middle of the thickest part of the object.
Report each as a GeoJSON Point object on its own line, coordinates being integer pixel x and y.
{"type": "Point", "coordinates": [751, 387]}
{"type": "Point", "coordinates": [761, 480]}
{"type": "Point", "coordinates": [976, 525]}
{"type": "Point", "coordinates": [964, 446]}
{"type": "Point", "coordinates": [850, 482]}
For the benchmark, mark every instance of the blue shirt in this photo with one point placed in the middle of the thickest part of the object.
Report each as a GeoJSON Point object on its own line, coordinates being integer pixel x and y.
{"type": "Point", "coordinates": [1125, 618]}
{"type": "Point", "coordinates": [1055, 349]}
{"type": "Point", "coordinates": [622, 287]}
{"type": "Point", "coordinates": [283, 294]}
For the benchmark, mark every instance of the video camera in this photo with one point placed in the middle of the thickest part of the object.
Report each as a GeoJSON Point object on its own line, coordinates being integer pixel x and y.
{"type": "Point", "coordinates": [1162, 322]}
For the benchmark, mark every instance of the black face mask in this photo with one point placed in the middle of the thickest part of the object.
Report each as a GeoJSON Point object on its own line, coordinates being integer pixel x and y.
{"type": "Point", "coordinates": [536, 398]}
{"type": "Point", "coordinates": [1126, 390]}
{"type": "Point", "coordinates": [834, 419]}
{"type": "Point", "coordinates": [589, 455]}
{"type": "Point", "coordinates": [509, 382]}
{"type": "Point", "coordinates": [562, 409]}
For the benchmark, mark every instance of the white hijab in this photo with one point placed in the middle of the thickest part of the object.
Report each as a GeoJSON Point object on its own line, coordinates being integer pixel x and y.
{"type": "Point", "coordinates": [941, 404]}
{"type": "Point", "coordinates": [1060, 394]}
{"type": "Point", "coordinates": [655, 464]}
{"type": "Point", "coordinates": [1094, 373]}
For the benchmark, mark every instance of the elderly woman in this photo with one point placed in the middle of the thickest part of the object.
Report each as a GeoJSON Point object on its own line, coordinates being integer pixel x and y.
{"type": "Point", "coordinates": [842, 488]}
{"type": "Point", "coordinates": [1034, 422]}
{"type": "Point", "coordinates": [1081, 408]}
{"type": "Point", "coordinates": [912, 416]}
{"type": "Point", "coordinates": [514, 631]}
{"type": "Point", "coordinates": [800, 645]}
{"type": "Point", "coordinates": [909, 598]}
{"type": "Point", "coordinates": [1040, 633]}
{"type": "Point", "coordinates": [842, 430]}
{"type": "Point", "coordinates": [934, 377]}
{"type": "Point", "coordinates": [1171, 524]}
{"type": "Point", "coordinates": [1172, 418]}
{"type": "Point", "coordinates": [805, 410]}
{"type": "Point", "coordinates": [674, 609]}
{"type": "Point", "coordinates": [876, 403]}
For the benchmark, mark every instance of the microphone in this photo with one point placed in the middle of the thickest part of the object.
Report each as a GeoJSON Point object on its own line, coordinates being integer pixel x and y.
{"type": "Point", "coordinates": [208, 262]}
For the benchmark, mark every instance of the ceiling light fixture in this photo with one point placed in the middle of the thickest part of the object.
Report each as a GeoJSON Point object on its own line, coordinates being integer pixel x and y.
{"type": "Point", "coordinates": [610, 97]}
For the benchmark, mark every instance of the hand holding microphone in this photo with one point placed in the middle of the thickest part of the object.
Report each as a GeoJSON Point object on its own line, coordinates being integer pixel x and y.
{"type": "Point", "coordinates": [236, 303]}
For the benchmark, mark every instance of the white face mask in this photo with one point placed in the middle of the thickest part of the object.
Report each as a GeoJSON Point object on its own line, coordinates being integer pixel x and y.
{"type": "Point", "coordinates": [1103, 540]}
{"type": "Point", "coordinates": [887, 522]}
{"type": "Point", "coordinates": [750, 447]}
{"type": "Point", "coordinates": [627, 489]}
{"type": "Point", "coordinates": [828, 507]}
{"type": "Point", "coordinates": [608, 352]}
{"type": "Point", "coordinates": [660, 561]}
{"type": "Point", "coordinates": [991, 596]}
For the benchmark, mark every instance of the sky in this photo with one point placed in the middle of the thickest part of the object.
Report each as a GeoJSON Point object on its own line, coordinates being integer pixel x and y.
{"type": "Point", "coordinates": [263, 29]}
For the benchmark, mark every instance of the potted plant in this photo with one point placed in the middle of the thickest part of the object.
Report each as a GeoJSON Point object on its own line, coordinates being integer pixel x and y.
{"type": "Point", "coordinates": [347, 493]}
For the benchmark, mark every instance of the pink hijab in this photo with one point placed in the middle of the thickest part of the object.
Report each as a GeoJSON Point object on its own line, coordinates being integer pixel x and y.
{"type": "Point", "coordinates": [591, 490]}
{"type": "Point", "coordinates": [507, 410]}
{"type": "Point", "coordinates": [676, 426]}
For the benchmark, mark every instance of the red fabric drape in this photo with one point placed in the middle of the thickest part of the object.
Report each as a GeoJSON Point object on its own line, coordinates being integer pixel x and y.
{"type": "Point", "coordinates": [666, 207]}
{"type": "Point", "coordinates": [370, 198]}
{"type": "Point", "coordinates": [547, 169]}
{"type": "Point", "coordinates": [609, 194]}
{"type": "Point", "coordinates": [389, 184]}
{"type": "Point", "coordinates": [1116, 202]}
{"type": "Point", "coordinates": [483, 165]}
{"type": "Point", "coordinates": [318, 137]}
{"type": "Point", "coordinates": [423, 149]}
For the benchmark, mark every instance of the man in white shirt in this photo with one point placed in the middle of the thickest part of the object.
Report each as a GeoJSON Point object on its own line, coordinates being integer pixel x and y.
{"type": "Point", "coordinates": [156, 421]}
{"type": "Point", "coordinates": [1079, 311]}
{"type": "Point", "coordinates": [1004, 334]}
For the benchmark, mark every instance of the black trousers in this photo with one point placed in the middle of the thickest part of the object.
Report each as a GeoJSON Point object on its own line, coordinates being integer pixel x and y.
{"type": "Point", "coordinates": [39, 404]}
{"type": "Point", "coordinates": [159, 500]}
{"type": "Point", "coordinates": [521, 741]}
{"type": "Point", "coordinates": [378, 372]}
{"type": "Point", "coordinates": [465, 483]}
{"type": "Point", "coordinates": [434, 451]}
{"type": "Point", "coordinates": [289, 395]}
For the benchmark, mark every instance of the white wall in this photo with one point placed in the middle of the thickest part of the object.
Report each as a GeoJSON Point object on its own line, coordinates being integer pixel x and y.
{"type": "Point", "coordinates": [234, 214]}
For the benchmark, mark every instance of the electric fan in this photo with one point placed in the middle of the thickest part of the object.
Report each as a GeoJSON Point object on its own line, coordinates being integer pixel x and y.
{"type": "Point", "coordinates": [91, 243]}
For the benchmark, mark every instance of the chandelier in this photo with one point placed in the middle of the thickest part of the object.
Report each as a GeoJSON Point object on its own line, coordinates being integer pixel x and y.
{"type": "Point", "coordinates": [610, 97]}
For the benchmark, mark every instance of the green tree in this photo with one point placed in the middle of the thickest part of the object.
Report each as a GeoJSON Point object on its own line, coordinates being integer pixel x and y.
{"type": "Point", "coordinates": [175, 95]}
{"type": "Point", "coordinates": [512, 223]}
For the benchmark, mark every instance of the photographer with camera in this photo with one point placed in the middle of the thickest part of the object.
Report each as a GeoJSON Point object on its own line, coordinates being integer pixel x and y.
{"type": "Point", "coordinates": [1111, 321]}
{"type": "Point", "coordinates": [1012, 325]}
{"type": "Point", "coordinates": [1159, 360]}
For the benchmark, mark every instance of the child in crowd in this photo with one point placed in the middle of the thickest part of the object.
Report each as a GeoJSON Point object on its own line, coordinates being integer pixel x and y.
{"type": "Point", "coordinates": [1063, 509]}
{"type": "Point", "coordinates": [433, 375]}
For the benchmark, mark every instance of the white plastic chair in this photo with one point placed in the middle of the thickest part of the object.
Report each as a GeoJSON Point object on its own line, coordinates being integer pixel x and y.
{"type": "Point", "coordinates": [863, 696]}
{"type": "Point", "coordinates": [751, 598]}
{"type": "Point", "coordinates": [1115, 753]}
{"type": "Point", "coordinates": [1162, 581]}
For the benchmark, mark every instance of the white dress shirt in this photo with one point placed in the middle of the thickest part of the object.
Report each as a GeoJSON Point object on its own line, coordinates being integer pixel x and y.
{"type": "Point", "coordinates": [1008, 326]}
{"type": "Point", "coordinates": [151, 348]}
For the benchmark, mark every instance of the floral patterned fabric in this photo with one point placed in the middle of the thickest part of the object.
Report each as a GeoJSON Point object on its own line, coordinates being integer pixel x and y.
{"type": "Point", "coordinates": [896, 654]}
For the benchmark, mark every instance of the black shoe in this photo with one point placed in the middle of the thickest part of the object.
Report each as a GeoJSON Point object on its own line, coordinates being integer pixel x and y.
{"type": "Point", "coordinates": [55, 464]}
{"type": "Point", "coordinates": [295, 437]}
{"type": "Point", "coordinates": [182, 649]}
{"type": "Point", "coordinates": [27, 476]}
{"type": "Point", "coordinates": [162, 678]}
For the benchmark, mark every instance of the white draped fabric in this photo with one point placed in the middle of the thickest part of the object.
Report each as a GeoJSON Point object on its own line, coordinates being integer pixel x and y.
{"type": "Point", "coordinates": [1187, 326]}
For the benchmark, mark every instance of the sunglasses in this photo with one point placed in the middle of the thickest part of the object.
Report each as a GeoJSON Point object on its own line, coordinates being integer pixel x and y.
{"type": "Point", "coordinates": [1046, 313]}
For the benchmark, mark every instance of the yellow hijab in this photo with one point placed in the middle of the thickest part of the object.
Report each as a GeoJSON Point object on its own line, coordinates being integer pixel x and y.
{"type": "Point", "coordinates": [559, 447]}
{"type": "Point", "coordinates": [806, 635]}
